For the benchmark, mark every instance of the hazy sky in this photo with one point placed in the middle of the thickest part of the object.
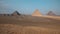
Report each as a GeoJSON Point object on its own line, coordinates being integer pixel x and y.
{"type": "Point", "coordinates": [29, 6]}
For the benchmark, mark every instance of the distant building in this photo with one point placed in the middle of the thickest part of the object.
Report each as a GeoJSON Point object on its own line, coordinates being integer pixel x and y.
{"type": "Point", "coordinates": [16, 13]}
{"type": "Point", "coordinates": [50, 13]}
{"type": "Point", "coordinates": [36, 13]}
{"type": "Point", "coordinates": [5, 14]}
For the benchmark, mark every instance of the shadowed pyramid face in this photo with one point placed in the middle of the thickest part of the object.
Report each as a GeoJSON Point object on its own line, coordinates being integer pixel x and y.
{"type": "Point", "coordinates": [50, 13]}
{"type": "Point", "coordinates": [36, 13]}
{"type": "Point", "coordinates": [16, 13]}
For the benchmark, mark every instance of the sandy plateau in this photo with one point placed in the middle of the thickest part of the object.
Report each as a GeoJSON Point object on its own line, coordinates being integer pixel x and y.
{"type": "Point", "coordinates": [29, 25]}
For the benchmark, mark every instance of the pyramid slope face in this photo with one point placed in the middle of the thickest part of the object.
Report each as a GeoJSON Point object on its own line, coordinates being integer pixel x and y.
{"type": "Point", "coordinates": [16, 13]}
{"type": "Point", "coordinates": [36, 13]}
{"type": "Point", "coordinates": [51, 13]}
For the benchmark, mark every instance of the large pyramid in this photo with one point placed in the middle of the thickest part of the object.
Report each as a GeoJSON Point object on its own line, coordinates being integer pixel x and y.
{"type": "Point", "coordinates": [50, 13]}
{"type": "Point", "coordinates": [36, 13]}
{"type": "Point", "coordinates": [16, 13]}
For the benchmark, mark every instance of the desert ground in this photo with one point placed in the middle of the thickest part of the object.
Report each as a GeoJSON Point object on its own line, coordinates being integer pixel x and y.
{"type": "Point", "coordinates": [29, 25]}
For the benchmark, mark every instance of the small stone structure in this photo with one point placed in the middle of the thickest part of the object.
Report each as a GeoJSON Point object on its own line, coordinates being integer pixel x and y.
{"type": "Point", "coordinates": [5, 14]}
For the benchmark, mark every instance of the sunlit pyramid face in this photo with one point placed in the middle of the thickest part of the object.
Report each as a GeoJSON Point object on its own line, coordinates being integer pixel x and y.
{"type": "Point", "coordinates": [36, 13]}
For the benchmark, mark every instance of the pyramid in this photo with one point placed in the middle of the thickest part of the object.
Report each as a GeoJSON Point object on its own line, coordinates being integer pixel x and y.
{"type": "Point", "coordinates": [36, 13]}
{"type": "Point", "coordinates": [16, 13]}
{"type": "Point", "coordinates": [50, 13]}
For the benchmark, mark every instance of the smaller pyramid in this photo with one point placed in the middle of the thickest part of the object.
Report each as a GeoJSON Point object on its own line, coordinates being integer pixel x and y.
{"type": "Point", "coordinates": [36, 13]}
{"type": "Point", "coordinates": [50, 13]}
{"type": "Point", "coordinates": [16, 13]}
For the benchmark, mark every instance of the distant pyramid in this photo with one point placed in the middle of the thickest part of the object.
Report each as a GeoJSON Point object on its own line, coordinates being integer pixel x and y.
{"type": "Point", "coordinates": [16, 13]}
{"type": "Point", "coordinates": [36, 13]}
{"type": "Point", "coordinates": [50, 13]}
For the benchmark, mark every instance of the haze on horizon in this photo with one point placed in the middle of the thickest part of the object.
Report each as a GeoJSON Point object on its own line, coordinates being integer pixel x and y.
{"type": "Point", "coordinates": [29, 6]}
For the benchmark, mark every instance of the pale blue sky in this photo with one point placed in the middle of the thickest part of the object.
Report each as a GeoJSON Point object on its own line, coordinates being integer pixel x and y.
{"type": "Point", "coordinates": [28, 6]}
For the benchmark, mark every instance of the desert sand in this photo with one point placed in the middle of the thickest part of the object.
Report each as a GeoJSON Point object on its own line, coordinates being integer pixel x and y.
{"type": "Point", "coordinates": [29, 25]}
